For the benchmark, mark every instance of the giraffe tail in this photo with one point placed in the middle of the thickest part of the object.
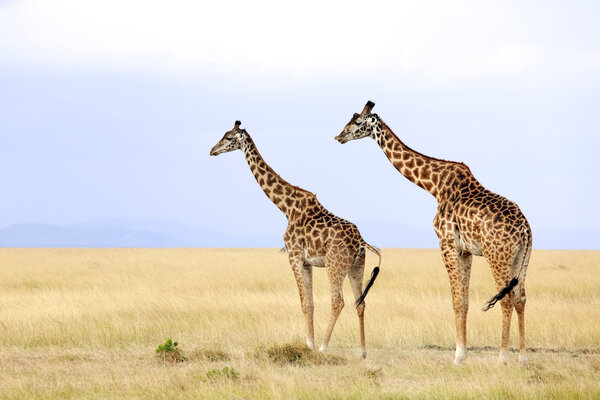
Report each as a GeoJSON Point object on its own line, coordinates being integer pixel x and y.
{"type": "Point", "coordinates": [515, 281]}
{"type": "Point", "coordinates": [374, 250]}
{"type": "Point", "coordinates": [374, 274]}
{"type": "Point", "coordinates": [492, 302]}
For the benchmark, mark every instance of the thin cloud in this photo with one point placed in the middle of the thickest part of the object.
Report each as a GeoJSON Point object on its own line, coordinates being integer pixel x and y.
{"type": "Point", "coordinates": [435, 39]}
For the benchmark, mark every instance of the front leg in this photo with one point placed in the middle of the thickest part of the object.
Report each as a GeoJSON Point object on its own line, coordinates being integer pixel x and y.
{"type": "Point", "coordinates": [459, 272]}
{"type": "Point", "coordinates": [303, 275]}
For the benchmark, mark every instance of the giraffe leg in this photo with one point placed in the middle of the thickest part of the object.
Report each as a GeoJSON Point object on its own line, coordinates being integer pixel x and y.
{"type": "Point", "coordinates": [355, 275]}
{"type": "Point", "coordinates": [503, 272]}
{"type": "Point", "coordinates": [520, 307]}
{"type": "Point", "coordinates": [507, 309]}
{"type": "Point", "coordinates": [336, 274]}
{"type": "Point", "coordinates": [459, 272]}
{"type": "Point", "coordinates": [302, 275]}
{"type": "Point", "coordinates": [307, 273]}
{"type": "Point", "coordinates": [519, 301]}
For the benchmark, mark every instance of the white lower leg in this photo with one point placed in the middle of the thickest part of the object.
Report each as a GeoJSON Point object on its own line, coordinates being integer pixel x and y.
{"type": "Point", "coordinates": [310, 344]}
{"type": "Point", "coordinates": [323, 348]}
{"type": "Point", "coordinates": [523, 358]}
{"type": "Point", "coordinates": [460, 354]}
{"type": "Point", "coordinates": [503, 357]}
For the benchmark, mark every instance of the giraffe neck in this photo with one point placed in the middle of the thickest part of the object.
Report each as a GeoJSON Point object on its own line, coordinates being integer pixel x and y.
{"type": "Point", "coordinates": [426, 172]}
{"type": "Point", "coordinates": [284, 195]}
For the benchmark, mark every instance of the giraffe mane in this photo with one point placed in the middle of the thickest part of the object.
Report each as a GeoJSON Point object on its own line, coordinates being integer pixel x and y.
{"type": "Point", "coordinates": [294, 187]}
{"type": "Point", "coordinates": [421, 154]}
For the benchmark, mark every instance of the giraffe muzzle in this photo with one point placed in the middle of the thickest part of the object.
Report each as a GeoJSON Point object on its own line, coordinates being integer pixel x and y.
{"type": "Point", "coordinates": [341, 138]}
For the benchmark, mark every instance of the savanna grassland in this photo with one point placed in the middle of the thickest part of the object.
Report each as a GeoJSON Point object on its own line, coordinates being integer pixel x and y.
{"type": "Point", "coordinates": [85, 323]}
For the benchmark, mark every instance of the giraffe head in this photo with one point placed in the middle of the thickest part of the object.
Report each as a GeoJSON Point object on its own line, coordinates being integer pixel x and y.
{"type": "Point", "coordinates": [231, 141]}
{"type": "Point", "coordinates": [361, 125]}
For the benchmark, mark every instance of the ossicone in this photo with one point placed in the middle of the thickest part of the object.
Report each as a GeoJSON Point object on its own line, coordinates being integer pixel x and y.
{"type": "Point", "coordinates": [368, 107]}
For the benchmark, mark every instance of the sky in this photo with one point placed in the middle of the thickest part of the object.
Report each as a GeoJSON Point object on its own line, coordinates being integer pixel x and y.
{"type": "Point", "coordinates": [108, 109]}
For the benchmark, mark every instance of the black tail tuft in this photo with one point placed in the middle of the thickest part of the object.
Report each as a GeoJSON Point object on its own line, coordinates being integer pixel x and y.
{"type": "Point", "coordinates": [500, 295]}
{"type": "Point", "coordinates": [369, 284]}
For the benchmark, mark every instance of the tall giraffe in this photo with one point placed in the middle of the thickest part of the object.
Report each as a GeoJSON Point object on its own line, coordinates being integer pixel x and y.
{"type": "Point", "coordinates": [470, 220]}
{"type": "Point", "coordinates": [314, 238]}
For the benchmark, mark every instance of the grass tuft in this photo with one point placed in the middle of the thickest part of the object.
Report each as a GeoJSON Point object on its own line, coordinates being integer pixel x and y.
{"type": "Point", "coordinates": [227, 373]}
{"type": "Point", "coordinates": [297, 354]}
{"type": "Point", "coordinates": [374, 374]}
{"type": "Point", "coordinates": [209, 355]}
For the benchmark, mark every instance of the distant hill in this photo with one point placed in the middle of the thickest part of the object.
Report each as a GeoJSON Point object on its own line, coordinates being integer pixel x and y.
{"type": "Point", "coordinates": [40, 235]}
{"type": "Point", "coordinates": [123, 232]}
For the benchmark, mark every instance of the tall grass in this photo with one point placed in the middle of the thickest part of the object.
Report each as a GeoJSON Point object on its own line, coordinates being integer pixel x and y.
{"type": "Point", "coordinates": [85, 323]}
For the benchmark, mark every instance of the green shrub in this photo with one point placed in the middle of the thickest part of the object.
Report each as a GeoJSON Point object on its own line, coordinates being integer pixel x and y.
{"type": "Point", "coordinates": [169, 352]}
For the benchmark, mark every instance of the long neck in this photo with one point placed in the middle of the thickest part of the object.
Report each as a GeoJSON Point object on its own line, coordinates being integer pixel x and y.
{"type": "Point", "coordinates": [280, 192]}
{"type": "Point", "coordinates": [426, 172]}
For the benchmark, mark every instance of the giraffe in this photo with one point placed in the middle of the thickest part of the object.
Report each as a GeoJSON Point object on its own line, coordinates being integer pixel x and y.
{"type": "Point", "coordinates": [314, 238]}
{"type": "Point", "coordinates": [470, 221]}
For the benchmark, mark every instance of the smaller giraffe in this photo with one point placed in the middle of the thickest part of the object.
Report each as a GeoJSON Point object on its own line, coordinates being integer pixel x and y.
{"type": "Point", "coordinates": [314, 238]}
{"type": "Point", "coordinates": [470, 221]}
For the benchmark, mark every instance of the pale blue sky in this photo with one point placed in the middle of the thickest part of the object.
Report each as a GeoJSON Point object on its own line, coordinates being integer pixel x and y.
{"type": "Point", "coordinates": [109, 108]}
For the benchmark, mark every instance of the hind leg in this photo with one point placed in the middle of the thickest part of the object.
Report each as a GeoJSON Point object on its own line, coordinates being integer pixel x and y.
{"type": "Point", "coordinates": [303, 275]}
{"type": "Point", "coordinates": [336, 272]}
{"type": "Point", "coordinates": [501, 265]}
{"type": "Point", "coordinates": [519, 300]}
{"type": "Point", "coordinates": [355, 275]}
{"type": "Point", "coordinates": [519, 303]}
{"type": "Point", "coordinates": [507, 309]}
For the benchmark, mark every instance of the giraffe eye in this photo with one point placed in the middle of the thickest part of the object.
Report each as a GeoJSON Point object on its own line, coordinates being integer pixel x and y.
{"type": "Point", "coordinates": [357, 123]}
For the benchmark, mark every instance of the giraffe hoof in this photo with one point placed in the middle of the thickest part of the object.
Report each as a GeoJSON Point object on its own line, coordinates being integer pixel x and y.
{"type": "Point", "coordinates": [502, 359]}
{"type": "Point", "coordinates": [523, 359]}
{"type": "Point", "coordinates": [323, 348]}
{"type": "Point", "coordinates": [459, 356]}
{"type": "Point", "coordinates": [364, 354]}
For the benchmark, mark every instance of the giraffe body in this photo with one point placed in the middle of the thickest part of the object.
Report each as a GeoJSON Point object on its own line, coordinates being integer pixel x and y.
{"type": "Point", "coordinates": [470, 221]}
{"type": "Point", "coordinates": [314, 237]}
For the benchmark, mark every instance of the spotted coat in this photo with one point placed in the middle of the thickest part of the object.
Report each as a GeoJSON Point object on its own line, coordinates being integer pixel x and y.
{"type": "Point", "coordinates": [314, 238]}
{"type": "Point", "coordinates": [470, 221]}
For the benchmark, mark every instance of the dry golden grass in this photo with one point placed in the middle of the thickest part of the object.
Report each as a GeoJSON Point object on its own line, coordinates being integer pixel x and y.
{"type": "Point", "coordinates": [85, 323]}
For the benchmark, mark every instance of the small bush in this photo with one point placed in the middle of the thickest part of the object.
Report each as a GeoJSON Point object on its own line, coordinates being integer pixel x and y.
{"type": "Point", "coordinates": [297, 354]}
{"type": "Point", "coordinates": [225, 373]}
{"type": "Point", "coordinates": [169, 352]}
